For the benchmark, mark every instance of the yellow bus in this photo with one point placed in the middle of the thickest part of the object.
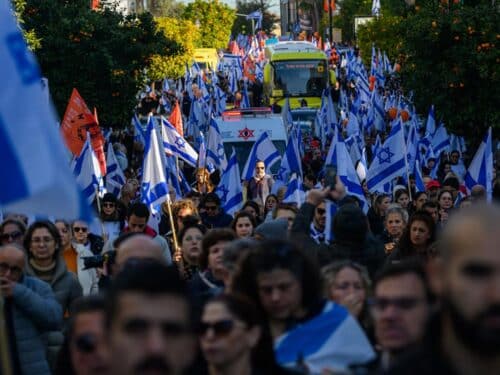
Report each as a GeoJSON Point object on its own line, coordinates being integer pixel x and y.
{"type": "Point", "coordinates": [206, 58]}
{"type": "Point", "coordinates": [297, 70]}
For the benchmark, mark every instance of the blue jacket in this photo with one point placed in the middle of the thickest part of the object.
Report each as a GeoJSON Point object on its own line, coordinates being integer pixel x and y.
{"type": "Point", "coordinates": [35, 311]}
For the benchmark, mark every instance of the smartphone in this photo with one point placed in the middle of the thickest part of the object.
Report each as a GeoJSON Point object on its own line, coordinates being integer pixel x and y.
{"type": "Point", "coordinates": [330, 176]}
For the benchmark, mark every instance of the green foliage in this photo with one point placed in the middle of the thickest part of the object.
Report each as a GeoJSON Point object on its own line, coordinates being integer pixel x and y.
{"type": "Point", "coordinates": [451, 60]}
{"type": "Point", "coordinates": [103, 54]}
{"type": "Point", "coordinates": [215, 20]}
{"type": "Point", "coordinates": [182, 32]}
{"type": "Point", "coordinates": [385, 33]}
{"type": "Point", "coordinates": [349, 9]}
{"type": "Point", "coordinates": [29, 34]}
{"type": "Point", "coordinates": [243, 26]}
{"type": "Point", "coordinates": [166, 8]}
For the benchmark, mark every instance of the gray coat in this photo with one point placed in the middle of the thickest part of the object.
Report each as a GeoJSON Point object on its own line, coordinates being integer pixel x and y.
{"type": "Point", "coordinates": [35, 312]}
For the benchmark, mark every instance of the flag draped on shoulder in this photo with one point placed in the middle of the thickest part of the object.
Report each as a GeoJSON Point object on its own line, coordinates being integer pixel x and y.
{"type": "Point", "coordinates": [154, 187]}
{"type": "Point", "coordinates": [176, 145]}
{"type": "Point", "coordinates": [87, 172]}
{"type": "Point", "coordinates": [480, 171]}
{"type": "Point", "coordinates": [262, 150]}
{"type": "Point", "coordinates": [389, 162]}
{"type": "Point", "coordinates": [34, 168]}
{"type": "Point", "coordinates": [115, 179]}
{"type": "Point", "coordinates": [332, 339]}
{"type": "Point", "coordinates": [229, 189]}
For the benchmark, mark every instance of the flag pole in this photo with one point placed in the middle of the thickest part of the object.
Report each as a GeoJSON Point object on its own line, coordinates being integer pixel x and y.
{"type": "Point", "coordinates": [99, 211]}
{"type": "Point", "coordinates": [177, 250]}
{"type": "Point", "coordinates": [406, 162]}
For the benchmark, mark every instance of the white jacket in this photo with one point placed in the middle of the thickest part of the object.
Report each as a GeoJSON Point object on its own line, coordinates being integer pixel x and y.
{"type": "Point", "coordinates": [88, 278]}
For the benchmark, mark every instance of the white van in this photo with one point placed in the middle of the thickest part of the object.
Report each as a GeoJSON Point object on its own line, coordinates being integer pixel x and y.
{"type": "Point", "coordinates": [240, 128]}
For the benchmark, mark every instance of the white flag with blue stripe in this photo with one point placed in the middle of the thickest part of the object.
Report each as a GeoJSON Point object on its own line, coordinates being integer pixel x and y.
{"type": "Point", "coordinates": [430, 127]}
{"type": "Point", "coordinates": [115, 179]}
{"type": "Point", "coordinates": [295, 192]}
{"type": "Point", "coordinates": [87, 172]}
{"type": "Point", "coordinates": [230, 189]}
{"type": "Point", "coordinates": [215, 147]}
{"type": "Point", "coordinates": [419, 180]}
{"type": "Point", "coordinates": [440, 141]}
{"type": "Point", "coordinates": [389, 162]}
{"type": "Point", "coordinates": [34, 168]}
{"type": "Point", "coordinates": [262, 150]}
{"type": "Point", "coordinates": [331, 340]}
{"type": "Point", "coordinates": [154, 188]}
{"type": "Point", "coordinates": [176, 145]}
{"type": "Point", "coordinates": [139, 131]}
{"type": "Point", "coordinates": [480, 171]}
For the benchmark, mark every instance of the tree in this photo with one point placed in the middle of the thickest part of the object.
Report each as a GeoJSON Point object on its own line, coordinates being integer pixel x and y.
{"type": "Point", "coordinates": [31, 39]}
{"type": "Point", "coordinates": [184, 33]}
{"type": "Point", "coordinates": [243, 26]}
{"type": "Point", "coordinates": [103, 54]}
{"type": "Point", "coordinates": [450, 60]}
{"type": "Point", "coordinates": [214, 20]}
{"type": "Point", "coordinates": [345, 20]}
{"type": "Point", "coordinates": [166, 8]}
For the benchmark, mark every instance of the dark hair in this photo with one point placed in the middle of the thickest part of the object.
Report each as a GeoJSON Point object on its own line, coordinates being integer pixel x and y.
{"type": "Point", "coordinates": [146, 277]}
{"type": "Point", "coordinates": [193, 194]}
{"type": "Point", "coordinates": [269, 255]}
{"type": "Point", "coordinates": [190, 225]}
{"type": "Point", "coordinates": [241, 214]}
{"type": "Point", "coordinates": [284, 206]}
{"type": "Point", "coordinates": [245, 310]}
{"type": "Point", "coordinates": [405, 246]}
{"type": "Point", "coordinates": [350, 224]}
{"type": "Point", "coordinates": [212, 237]}
{"type": "Point", "coordinates": [451, 181]}
{"type": "Point", "coordinates": [211, 198]}
{"type": "Point", "coordinates": [403, 268]}
{"type": "Point", "coordinates": [252, 204]}
{"type": "Point", "coordinates": [54, 232]}
{"type": "Point", "coordinates": [86, 304]}
{"type": "Point", "coordinates": [430, 204]}
{"type": "Point", "coordinates": [400, 192]}
{"type": "Point", "coordinates": [443, 192]}
{"type": "Point", "coordinates": [417, 195]}
{"type": "Point", "coordinates": [139, 210]}
{"type": "Point", "coordinates": [378, 200]}
{"type": "Point", "coordinates": [20, 225]}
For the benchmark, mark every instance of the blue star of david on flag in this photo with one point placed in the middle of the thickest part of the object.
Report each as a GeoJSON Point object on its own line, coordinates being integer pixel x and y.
{"type": "Point", "coordinates": [180, 142]}
{"type": "Point", "coordinates": [384, 155]}
{"type": "Point", "coordinates": [223, 192]}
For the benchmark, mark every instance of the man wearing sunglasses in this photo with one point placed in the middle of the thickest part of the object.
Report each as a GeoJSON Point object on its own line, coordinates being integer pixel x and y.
{"type": "Point", "coordinates": [213, 216]}
{"type": "Point", "coordinates": [400, 309]}
{"type": "Point", "coordinates": [82, 238]}
{"type": "Point", "coordinates": [149, 321]}
{"type": "Point", "coordinates": [12, 231]}
{"type": "Point", "coordinates": [30, 311]}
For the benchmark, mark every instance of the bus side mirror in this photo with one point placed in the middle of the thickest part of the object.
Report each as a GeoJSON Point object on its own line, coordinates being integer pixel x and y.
{"type": "Point", "coordinates": [267, 73]}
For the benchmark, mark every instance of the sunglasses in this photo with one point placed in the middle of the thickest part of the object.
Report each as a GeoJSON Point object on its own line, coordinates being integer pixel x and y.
{"type": "Point", "coordinates": [402, 303]}
{"type": "Point", "coordinates": [220, 328]}
{"type": "Point", "coordinates": [14, 271]}
{"type": "Point", "coordinates": [210, 208]}
{"type": "Point", "coordinates": [108, 204]}
{"type": "Point", "coordinates": [86, 343]}
{"type": "Point", "coordinates": [11, 236]}
{"type": "Point", "coordinates": [80, 229]}
{"type": "Point", "coordinates": [320, 211]}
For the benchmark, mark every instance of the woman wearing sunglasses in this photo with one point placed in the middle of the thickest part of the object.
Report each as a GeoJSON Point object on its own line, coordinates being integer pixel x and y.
{"type": "Point", "coordinates": [111, 217]}
{"type": "Point", "coordinates": [12, 231]}
{"type": "Point", "coordinates": [233, 340]}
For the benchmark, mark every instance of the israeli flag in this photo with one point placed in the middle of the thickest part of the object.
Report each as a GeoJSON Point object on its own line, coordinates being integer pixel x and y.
{"type": "Point", "coordinates": [115, 179]}
{"type": "Point", "coordinates": [34, 166]}
{"type": "Point", "coordinates": [220, 100]}
{"type": "Point", "coordinates": [215, 147]}
{"type": "Point", "coordinates": [139, 131]}
{"type": "Point", "coordinates": [245, 100]}
{"type": "Point", "coordinates": [154, 188]}
{"type": "Point", "coordinates": [480, 171]}
{"type": "Point", "coordinates": [87, 172]}
{"type": "Point", "coordinates": [419, 181]}
{"type": "Point", "coordinates": [440, 141]}
{"type": "Point", "coordinates": [291, 161]}
{"type": "Point", "coordinates": [412, 146]}
{"type": "Point", "coordinates": [430, 127]}
{"type": "Point", "coordinates": [229, 189]}
{"type": "Point", "coordinates": [389, 162]}
{"type": "Point", "coordinates": [256, 15]}
{"type": "Point", "coordinates": [262, 150]}
{"type": "Point", "coordinates": [172, 175]}
{"type": "Point", "coordinates": [331, 340]}
{"type": "Point", "coordinates": [175, 144]}
{"type": "Point", "coordinates": [294, 192]}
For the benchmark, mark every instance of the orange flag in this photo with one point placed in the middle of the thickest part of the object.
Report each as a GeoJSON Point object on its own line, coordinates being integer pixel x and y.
{"type": "Point", "coordinates": [332, 5]}
{"type": "Point", "coordinates": [77, 121]}
{"type": "Point", "coordinates": [176, 119]}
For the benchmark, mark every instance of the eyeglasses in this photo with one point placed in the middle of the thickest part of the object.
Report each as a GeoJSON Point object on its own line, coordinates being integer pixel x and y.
{"type": "Point", "coordinates": [86, 343]}
{"type": "Point", "coordinates": [14, 270]}
{"type": "Point", "coordinates": [80, 229]}
{"type": "Point", "coordinates": [210, 208]}
{"type": "Point", "coordinates": [108, 204]}
{"type": "Point", "coordinates": [320, 211]}
{"type": "Point", "coordinates": [12, 236]}
{"type": "Point", "coordinates": [220, 328]}
{"type": "Point", "coordinates": [402, 303]}
{"type": "Point", "coordinates": [46, 239]}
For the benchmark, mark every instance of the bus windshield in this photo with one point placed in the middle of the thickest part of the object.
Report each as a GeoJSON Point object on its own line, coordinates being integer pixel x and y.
{"type": "Point", "coordinates": [300, 77]}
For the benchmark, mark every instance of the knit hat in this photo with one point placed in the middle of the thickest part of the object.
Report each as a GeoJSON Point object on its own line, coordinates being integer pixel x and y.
{"type": "Point", "coordinates": [273, 230]}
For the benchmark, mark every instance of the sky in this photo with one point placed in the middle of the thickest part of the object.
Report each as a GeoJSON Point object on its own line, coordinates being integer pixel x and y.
{"type": "Point", "coordinates": [232, 3]}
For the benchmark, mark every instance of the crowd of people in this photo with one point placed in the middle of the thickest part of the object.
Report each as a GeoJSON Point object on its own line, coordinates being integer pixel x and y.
{"type": "Point", "coordinates": [410, 287]}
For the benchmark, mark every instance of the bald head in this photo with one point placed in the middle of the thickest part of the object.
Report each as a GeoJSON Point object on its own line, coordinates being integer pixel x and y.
{"type": "Point", "coordinates": [138, 247]}
{"type": "Point", "coordinates": [13, 257]}
{"type": "Point", "coordinates": [469, 226]}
